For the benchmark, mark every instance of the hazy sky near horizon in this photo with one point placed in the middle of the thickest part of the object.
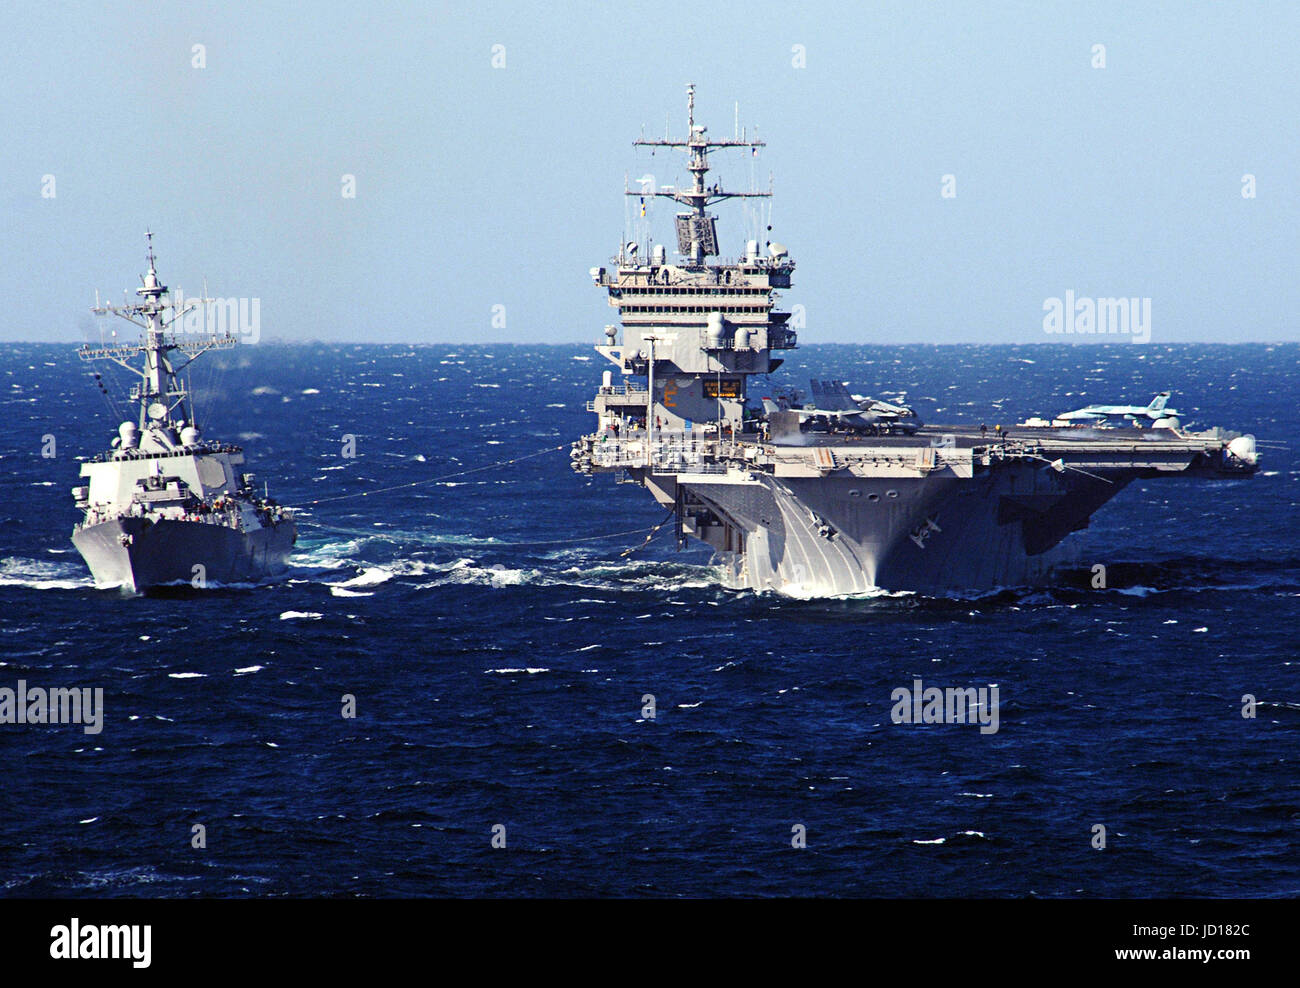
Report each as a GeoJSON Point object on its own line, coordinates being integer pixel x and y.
{"type": "Point", "coordinates": [482, 186]}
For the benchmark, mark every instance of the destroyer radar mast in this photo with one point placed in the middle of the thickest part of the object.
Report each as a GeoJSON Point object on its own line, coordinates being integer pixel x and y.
{"type": "Point", "coordinates": [161, 398]}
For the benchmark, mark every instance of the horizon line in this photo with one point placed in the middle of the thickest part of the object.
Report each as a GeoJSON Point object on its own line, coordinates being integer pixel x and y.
{"type": "Point", "coordinates": [1118, 341]}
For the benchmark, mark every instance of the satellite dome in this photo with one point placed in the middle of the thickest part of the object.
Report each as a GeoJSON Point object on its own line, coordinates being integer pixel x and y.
{"type": "Point", "coordinates": [715, 330]}
{"type": "Point", "coordinates": [1243, 448]}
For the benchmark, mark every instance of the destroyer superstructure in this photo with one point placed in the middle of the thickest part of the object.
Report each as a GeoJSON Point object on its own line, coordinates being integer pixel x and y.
{"type": "Point", "coordinates": [883, 502]}
{"type": "Point", "coordinates": [164, 505]}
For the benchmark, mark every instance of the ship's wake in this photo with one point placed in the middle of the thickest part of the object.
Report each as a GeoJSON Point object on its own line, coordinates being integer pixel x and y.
{"type": "Point", "coordinates": [355, 568]}
{"type": "Point", "coordinates": [366, 565]}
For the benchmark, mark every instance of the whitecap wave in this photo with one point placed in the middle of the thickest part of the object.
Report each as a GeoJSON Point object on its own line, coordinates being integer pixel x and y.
{"type": "Point", "coordinates": [371, 576]}
{"type": "Point", "coordinates": [506, 672]}
{"type": "Point", "coordinates": [42, 574]}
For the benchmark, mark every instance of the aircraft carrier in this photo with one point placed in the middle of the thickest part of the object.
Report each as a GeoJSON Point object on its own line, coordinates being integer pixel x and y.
{"type": "Point", "coordinates": [163, 505]}
{"type": "Point", "coordinates": [844, 496]}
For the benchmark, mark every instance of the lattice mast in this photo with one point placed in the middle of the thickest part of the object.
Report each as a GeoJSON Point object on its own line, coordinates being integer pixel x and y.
{"type": "Point", "coordinates": [160, 394]}
{"type": "Point", "coordinates": [697, 236]}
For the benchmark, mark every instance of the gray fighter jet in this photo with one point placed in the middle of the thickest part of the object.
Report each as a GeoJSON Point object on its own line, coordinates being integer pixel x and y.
{"type": "Point", "coordinates": [1156, 414]}
{"type": "Point", "coordinates": [834, 408]}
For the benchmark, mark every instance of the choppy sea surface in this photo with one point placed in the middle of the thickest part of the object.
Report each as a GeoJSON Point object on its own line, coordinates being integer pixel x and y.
{"type": "Point", "coordinates": [499, 648]}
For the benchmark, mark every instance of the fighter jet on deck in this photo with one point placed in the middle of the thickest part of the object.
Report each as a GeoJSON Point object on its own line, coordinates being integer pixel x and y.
{"type": "Point", "coordinates": [1156, 414]}
{"type": "Point", "coordinates": [833, 407]}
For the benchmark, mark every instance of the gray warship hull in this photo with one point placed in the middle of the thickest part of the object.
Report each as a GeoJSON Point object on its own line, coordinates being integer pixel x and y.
{"type": "Point", "coordinates": [137, 554]}
{"type": "Point", "coordinates": [942, 512]}
{"type": "Point", "coordinates": [976, 540]}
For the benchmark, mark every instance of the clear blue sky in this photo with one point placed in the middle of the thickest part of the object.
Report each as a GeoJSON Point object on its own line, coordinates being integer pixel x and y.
{"type": "Point", "coordinates": [481, 186]}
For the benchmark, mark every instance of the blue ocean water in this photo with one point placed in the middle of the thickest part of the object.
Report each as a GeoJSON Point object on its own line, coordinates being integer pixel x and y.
{"type": "Point", "coordinates": [499, 667]}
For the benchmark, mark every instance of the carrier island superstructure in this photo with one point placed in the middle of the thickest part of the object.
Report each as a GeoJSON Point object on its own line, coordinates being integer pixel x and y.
{"type": "Point", "coordinates": [164, 505]}
{"type": "Point", "coordinates": [820, 502]}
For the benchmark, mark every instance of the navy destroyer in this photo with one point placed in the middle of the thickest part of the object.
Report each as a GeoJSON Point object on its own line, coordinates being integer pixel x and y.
{"type": "Point", "coordinates": [164, 505]}
{"type": "Point", "coordinates": [847, 494]}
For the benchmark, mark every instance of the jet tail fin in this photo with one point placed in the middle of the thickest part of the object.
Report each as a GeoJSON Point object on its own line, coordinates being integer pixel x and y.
{"type": "Point", "coordinates": [833, 396]}
{"type": "Point", "coordinates": [1159, 401]}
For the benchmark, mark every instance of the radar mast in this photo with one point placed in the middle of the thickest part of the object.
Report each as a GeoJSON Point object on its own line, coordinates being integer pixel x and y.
{"type": "Point", "coordinates": [159, 394]}
{"type": "Point", "coordinates": [697, 230]}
